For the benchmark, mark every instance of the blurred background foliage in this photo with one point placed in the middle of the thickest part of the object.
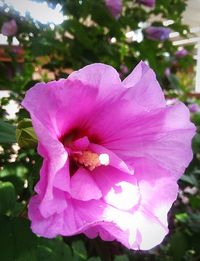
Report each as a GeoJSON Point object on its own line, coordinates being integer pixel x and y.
{"type": "Point", "coordinates": [89, 33]}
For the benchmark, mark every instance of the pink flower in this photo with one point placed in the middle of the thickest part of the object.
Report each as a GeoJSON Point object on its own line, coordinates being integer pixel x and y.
{"type": "Point", "coordinates": [181, 53]}
{"type": "Point", "coordinates": [123, 69]}
{"type": "Point", "coordinates": [194, 107]}
{"type": "Point", "coordinates": [9, 28]}
{"type": "Point", "coordinates": [115, 7]}
{"type": "Point", "coordinates": [149, 3]}
{"type": "Point", "coordinates": [157, 33]}
{"type": "Point", "coordinates": [112, 151]}
{"type": "Point", "coordinates": [167, 72]}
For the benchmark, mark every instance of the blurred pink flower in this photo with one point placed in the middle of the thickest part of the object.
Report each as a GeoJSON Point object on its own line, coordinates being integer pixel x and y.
{"type": "Point", "coordinates": [17, 49]}
{"type": "Point", "coordinates": [167, 72]}
{"type": "Point", "coordinates": [157, 33]}
{"type": "Point", "coordinates": [115, 7]}
{"type": "Point", "coordinates": [123, 69]}
{"type": "Point", "coordinates": [181, 53]}
{"type": "Point", "coordinates": [191, 190]}
{"type": "Point", "coordinates": [149, 3]}
{"type": "Point", "coordinates": [9, 28]}
{"type": "Point", "coordinates": [194, 107]}
{"type": "Point", "coordinates": [113, 152]}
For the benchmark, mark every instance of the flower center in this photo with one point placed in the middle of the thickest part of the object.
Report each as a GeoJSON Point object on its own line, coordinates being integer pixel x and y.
{"type": "Point", "coordinates": [88, 159]}
{"type": "Point", "coordinates": [80, 153]}
{"type": "Point", "coordinates": [91, 160]}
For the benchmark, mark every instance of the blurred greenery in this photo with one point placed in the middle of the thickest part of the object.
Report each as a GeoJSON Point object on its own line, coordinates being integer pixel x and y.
{"type": "Point", "coordinates": [89, 34]}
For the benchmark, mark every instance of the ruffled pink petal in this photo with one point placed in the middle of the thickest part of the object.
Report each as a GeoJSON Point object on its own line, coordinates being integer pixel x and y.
{"type": "Point", "coordinates": [175, 136]}
{"type": "Point", "coordinates": [108, 118]}
{"type": "Point", "coordinates": [145, 226]}
{"type": "Point", "coordinates": [121, 225]}
{"type": "Point", "coordinates": [80, 144]}
{"type": "Point", "coordinates": [150, 232]}
{"type": "Point", "coordinates": [100, 76]}
{"type": "Point", "coordinates": [72, 220]}
{"type": "Point", "coordinates": [46, 227]}
{"type": "Point", "coordinates": [119, 189]}
{"type": "Point", "coordinates": [85, 213]}
{"type": "Point", "coordinates": [56, 101]}
{"type": "Point", "coordinates": [153, 181]}
{"type": "Point", "coordinates": [43, 101]}
{"type": "Point", "coordinates": [55, 205]}
{"type": "Point", "coordinates": [99, 231]}
{"type": "Point", "coordinates": [62, 178]}
{"type": "Point", "coordinates": [149, 217]}
{"type": "Point", "coordinates": [143, 89]}
{"type": "Point", "coordinates": [138, 230]}
{"type": "Point", "coordinates": [83, 186]}
{"type": "Point", "coordinates": [55, 163]}
{"type": "Point", "coordinates": [44, 124]}
{"type": "Point", "coordinates": [164, 135]}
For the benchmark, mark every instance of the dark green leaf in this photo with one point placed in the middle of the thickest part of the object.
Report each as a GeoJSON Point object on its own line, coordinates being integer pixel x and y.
{"type": "Point", "coordinates": [53, 250]}
{"type": "Point", "coordinates": [7, 197]}
{"type": "Point", "coordinates": [94, 259]}
{"type": "Point", "coordinates": [196, 118]}
{"type": "Point", "coordinates": [195, 201]}
{"type": "Point", "coordinates": [196, 143]}
{"type": "Point", "coordinates": [79, 249]}
{"type": "Point", "coordinates": [7, 132]}
{"type": "Point", "coordinates": [25, 134]}
{"type": "Point", "coordinates": [178, 245]}
{"type": "Point", "coordinates": [121, 258]}
{"type": "Point", "coordinates": [190, 179]}
{"type": "Point", "coordinates": [17, 241]}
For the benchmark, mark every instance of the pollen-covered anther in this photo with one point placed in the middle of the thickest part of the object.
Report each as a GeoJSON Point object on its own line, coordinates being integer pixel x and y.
{"type": "Point", "coordinates": [91, 160]}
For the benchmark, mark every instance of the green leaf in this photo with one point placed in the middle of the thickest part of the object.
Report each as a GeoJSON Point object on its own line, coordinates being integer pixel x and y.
{"type": "Point", "coordinates": [25, 134]}
{"type": "Point", "coordinates": [182, 217]}
{"type": "Point", "coordinates": [53, 250]}
{"type": "Point", "coordinates": [178, 245]}
{"type": "Point", "coordinates": [174, 81]}
{"type": "Point", "coordinates": [190, 179]}
{"type": "Point", "coordinates": [196, 143]}
{"type": "Point", "coordinates": [17, 241]}
{"type": "Point", "coordinates": [196, 118]}
{"type": "Point", "coordinates": [195, 201]}
{"type": "Point", "coordinates": [79, 249]}
{"type": "Point", "coordinates": [16, 174]}
{"type": "Point", "coordinates": [7, 197]}
{"type": "Point", "coordinates": [121, 258]}
{"type": "Point", "coordinates": [7, 132]}
{"type": "Point", "coordinates": [94, 259]}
